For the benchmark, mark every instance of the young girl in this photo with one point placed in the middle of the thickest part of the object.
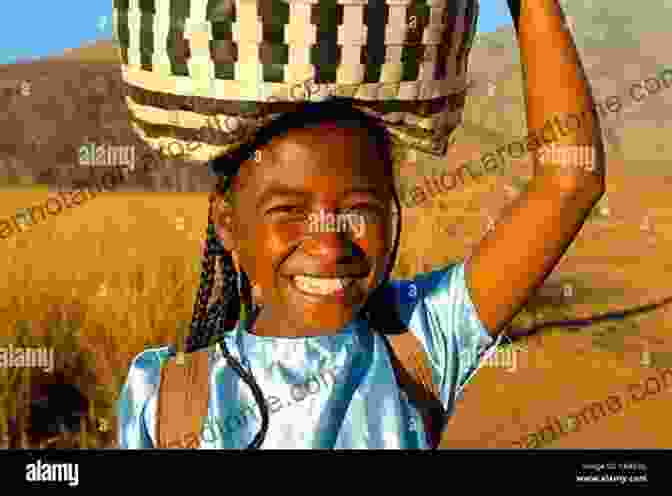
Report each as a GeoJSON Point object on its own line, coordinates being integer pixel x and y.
{"type": "Point", "coordinates": [293, 314]}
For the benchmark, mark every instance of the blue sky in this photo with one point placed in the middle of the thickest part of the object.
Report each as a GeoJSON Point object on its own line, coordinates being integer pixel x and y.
{"type": "Point", "coordinates": [31, 31]}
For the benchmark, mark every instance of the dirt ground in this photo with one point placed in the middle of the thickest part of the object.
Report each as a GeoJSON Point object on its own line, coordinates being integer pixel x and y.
{"type": "Point", "coordinates": [564, 371]}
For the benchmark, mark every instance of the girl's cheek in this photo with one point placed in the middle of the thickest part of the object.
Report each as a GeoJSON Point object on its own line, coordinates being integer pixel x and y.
{"type": "Point", "coordinates": [279, 237]}
{"type": "Point", "coordinates": [294, 230]}
{"type": "Point", "coordinates": [275, 241]}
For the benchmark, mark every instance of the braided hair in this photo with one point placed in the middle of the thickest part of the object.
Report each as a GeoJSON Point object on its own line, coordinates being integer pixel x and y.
{"type": "Point", "coordinates": [224, 296]}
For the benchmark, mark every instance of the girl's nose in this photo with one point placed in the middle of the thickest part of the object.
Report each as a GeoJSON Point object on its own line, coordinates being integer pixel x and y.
{"type": "Point", "coordinates": [328, 245]}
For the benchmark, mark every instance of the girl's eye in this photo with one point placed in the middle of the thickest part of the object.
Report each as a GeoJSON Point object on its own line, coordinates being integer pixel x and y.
{"type": "Point", "coordinates": [285, 210]}
{"type": "Point", "coordinates": [367, 210]}
{"type": "Point", "coordinates": [365, 206]}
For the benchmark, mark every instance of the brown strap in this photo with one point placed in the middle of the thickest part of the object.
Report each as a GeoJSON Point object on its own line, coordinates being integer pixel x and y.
{"type": "Point", "coordinates": [414, 376]}
{"type": "Point", "coordinates": [183, 400]}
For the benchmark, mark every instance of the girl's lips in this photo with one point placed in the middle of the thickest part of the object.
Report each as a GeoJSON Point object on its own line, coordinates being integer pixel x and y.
{"type": "Point", "coordinates": [349, 295]}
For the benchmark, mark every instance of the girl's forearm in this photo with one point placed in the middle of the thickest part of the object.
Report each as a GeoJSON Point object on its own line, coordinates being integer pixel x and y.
{"type": "Point", "coordinates": [556, 85]}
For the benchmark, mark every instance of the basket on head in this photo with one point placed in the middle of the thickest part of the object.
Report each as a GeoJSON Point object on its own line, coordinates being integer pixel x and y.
{"type": "Point", "coordinates": [201, 76]}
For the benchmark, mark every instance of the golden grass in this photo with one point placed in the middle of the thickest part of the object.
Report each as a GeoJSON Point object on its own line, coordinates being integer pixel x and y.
{"type": "Point", "coordinates": [117, 268]}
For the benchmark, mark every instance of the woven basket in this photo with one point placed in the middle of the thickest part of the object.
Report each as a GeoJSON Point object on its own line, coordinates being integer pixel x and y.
{"type": "Point", "coordinates": [201, 76]}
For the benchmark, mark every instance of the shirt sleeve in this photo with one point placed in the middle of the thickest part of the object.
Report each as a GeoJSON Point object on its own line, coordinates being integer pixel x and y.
{"type": "Point", "coordinates": [136, 406]}
{"type": "Point", "coordinates": [440, 313]}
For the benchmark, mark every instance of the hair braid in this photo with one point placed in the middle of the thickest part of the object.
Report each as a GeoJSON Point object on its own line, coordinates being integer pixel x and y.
{"type": "Point", "coordinates": [208, 269]}
{"type": "Point", "coordinates": [220, 302]}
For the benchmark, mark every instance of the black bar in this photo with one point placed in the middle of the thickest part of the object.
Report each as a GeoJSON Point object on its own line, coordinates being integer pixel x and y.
{"type": "Point", "coordinates": [447, 469]}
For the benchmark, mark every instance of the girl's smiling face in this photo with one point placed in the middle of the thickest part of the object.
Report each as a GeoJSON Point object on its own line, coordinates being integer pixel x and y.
{"type": "Point", "coordinates": [304, 175]}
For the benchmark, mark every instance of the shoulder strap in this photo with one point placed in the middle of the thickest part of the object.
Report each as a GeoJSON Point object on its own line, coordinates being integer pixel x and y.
{"type": "Point", "coordinates": [414, 376]}
{"type": "Point", "coordinates": [183, 400]}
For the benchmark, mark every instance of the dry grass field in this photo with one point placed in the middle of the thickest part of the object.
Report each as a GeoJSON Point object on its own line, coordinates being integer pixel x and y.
{"type": "Point", "coordinates": [102, 281]}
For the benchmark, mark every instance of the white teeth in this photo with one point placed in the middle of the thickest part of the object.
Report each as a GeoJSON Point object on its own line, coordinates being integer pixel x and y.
{"type": "Point", "coordinates": [318, 285]}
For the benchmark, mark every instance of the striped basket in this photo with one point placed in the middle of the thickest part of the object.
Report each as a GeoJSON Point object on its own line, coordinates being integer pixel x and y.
{"type": "Point", "coordinates": [201, 76]}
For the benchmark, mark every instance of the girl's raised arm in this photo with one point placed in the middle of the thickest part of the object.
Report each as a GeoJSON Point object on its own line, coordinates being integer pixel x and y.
{"type": "Point", "coordinates": [515, 258]}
